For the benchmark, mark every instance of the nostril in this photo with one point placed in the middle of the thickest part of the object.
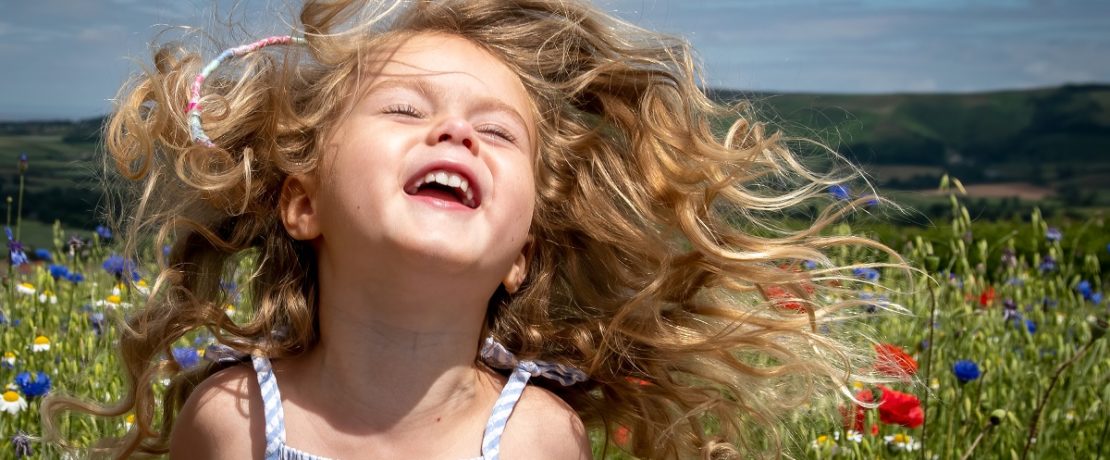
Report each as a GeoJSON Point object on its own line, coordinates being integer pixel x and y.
{"type": "Point", "coordinates": [467, 143]}
{"type": "Point", "coordinates": [444, 137]}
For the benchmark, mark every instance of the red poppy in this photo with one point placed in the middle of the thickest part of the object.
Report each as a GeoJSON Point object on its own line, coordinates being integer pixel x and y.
{"type": "Point", "coordinates": [779, 295]}
{"type": "Point", "coordinates": [620, 437]}
{"type": "Point", "coordinates": [894, 361]}
{"type": "Point", "coordinates": [853, 419]}
{"type": "Point", "coordinates": [899, 408]}
{"type": "Point", "coordinates": [987, 297]}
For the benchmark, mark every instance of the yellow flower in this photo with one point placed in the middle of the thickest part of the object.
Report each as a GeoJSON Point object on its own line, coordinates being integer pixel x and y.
{"type": "Point", "coordinates": [26, 288]}
{"type": "Point", "coordinates": [128, 421]}
{"type": "Point", "coordinates": [12, 402]}
{"type": "Point", "coordinates": [142, 287]}
{"type": "Point", "coordinates": [229, 309]}
{"type": "Point", "coordinates": [9, 358]}
{"type": "Point", "coordinates": [41, 344]}
{"type": "Point", "coordinates": [826, 444]}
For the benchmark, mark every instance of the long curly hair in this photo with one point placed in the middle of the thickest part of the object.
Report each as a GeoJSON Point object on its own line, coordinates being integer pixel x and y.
{"type": "Point", "coordinates": [658, 231]}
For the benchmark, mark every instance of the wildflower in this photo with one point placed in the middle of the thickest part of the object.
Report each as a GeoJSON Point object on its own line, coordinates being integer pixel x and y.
{"type": "Point", "coordinates": [986, 297]}
{"type": "Point", "coordinates": [23, 164]}
{"type": "Point", "coordinates": [58, 271]}
{"type": "Point", "coordinates": [854, 436]}
{"type": "Point", "coordinates": [1053, 234]}
{"type": "Point", "coordinates": [186, 357]}
{"type": "Point", "coordinates": [31, 385]}
{"type": "Point", "coordinates": [8, 361]}
{"type": "Point", "coordinates": [1096, 298]}
{"type": "Point", "coordinates": [897, 408]}
{"type": "Point", "coordinates": [901, 443]}
{"type": "Point", "coordinates": [21, 445]}
{"type": "Point", "coordinates": [825, 444]}
{"type": "Point", "coordinates": [894, 361]}
{"type": "Point", "coordinates": [103, 232]}
{"type": "Point", "coordinates": [866, 273]}
{"type": "Point", "coordinates": [75, 244]}
{"type": "Point", "coordinates": [934, 383]}
{"type": "Point", "coordinates": [854, 417]}
{"type": "Point", "coordinates": [25, 288]}
{"type": "Point", "coordinates": [75, 278]}
{"type": "Point", "coordinates": [97, 321]}
{"type": "Point", "coordinates": [840, 192]}
{"type": "Point", "coordinates": [1084, 289]}
{"type": "Point", "coordinates": [15, 249]}
{"type": "Point", "coordinates": [780, 298]}
{"type": "Point", "coordinates": [142, 287]}
{"type": "Point", "coordinates": [1009, 310]}
{"type": "Point", "coordinates": [1048, 264]}
{"type": "Point", "coordinates": [12, 402]}
{"type": "Point", "coordinates": [1030, 326]}
{"type": "Point", "coordinates": [41, 343]}
{"type": "Point", "coordinates": [128, 422]}
{"type": "Point", "coordinates": [43, 254]}
{"type": "Point", "coordinates": [118, 266]}
{"type": "Point", "coordinates": [809, 264]}
{"type": "Point", "coordinates": [966, 370]}
{"type": "Point", "coordinates": [48, 296]}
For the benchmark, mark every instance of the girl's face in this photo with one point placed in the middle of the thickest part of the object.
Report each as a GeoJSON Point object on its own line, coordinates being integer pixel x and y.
{"type": "Point", "coordinates": [434, 161]}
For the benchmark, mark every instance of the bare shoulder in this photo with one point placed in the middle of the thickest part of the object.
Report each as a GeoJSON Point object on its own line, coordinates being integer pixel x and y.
{"type": "Point", "coordinates": [543, 426]}
{"type": "Point", "coordinates": [223, 418]}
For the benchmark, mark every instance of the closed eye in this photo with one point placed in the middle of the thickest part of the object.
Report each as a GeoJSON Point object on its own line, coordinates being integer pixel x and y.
{"type": "Point", "coordinates": [403, 109]}
{"type": "Point", "coordinates": [499, 132]}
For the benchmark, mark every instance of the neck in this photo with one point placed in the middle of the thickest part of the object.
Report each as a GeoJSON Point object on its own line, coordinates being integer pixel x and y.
{"type": "Point", "coordinates": [401, 349]}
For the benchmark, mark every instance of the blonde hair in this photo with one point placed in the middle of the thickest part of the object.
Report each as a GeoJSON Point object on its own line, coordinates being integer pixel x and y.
{"type": "Point", "coordinates": [654, 232]}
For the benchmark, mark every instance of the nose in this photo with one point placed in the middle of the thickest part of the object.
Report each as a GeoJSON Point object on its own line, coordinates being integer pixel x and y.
{"type": "Point", "coordinates": [454, 130]}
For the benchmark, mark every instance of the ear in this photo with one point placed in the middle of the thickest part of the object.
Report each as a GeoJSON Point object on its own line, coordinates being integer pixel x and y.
{"type": "Point", "coordinates": [519, 271]}
{"type": "Point", "coordinates": [298, 208]}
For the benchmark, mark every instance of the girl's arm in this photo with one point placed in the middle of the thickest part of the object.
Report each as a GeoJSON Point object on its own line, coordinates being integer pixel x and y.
{"type": "Point", "coordinates": [220, 419]}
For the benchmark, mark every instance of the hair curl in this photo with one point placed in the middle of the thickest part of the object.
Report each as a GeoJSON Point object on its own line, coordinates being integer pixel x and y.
{"type": "Point", "coordinates": [655, 234]}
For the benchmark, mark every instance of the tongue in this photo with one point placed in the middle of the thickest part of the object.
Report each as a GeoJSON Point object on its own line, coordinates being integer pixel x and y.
{"type": "Point", "coordinates": [438, 193]}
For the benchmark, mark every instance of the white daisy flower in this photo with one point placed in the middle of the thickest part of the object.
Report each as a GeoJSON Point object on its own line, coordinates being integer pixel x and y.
{"type": "Point", "coordinates": [826, 444]}
{"type": "Point", "coordinates": [230, 310]}
{"type": "Point", "coordinates": [41, 343]}
{"type": "Point", "coordinates": [26, 288]}
{"type": "Point", "coordinates": [142, 287]}
{"type": "Point", "coordinates": [901, 442]}
{"type": "Point", "coordinates": [48, 296]}
{"type": "Point", "coordinates": [128, 422]}
{"type": "Point", "coordinates": [12, 402]}
{"type": "Point", "coordinates": [855, 436]}
{"type": "Point", "coordinates": [8, 359]}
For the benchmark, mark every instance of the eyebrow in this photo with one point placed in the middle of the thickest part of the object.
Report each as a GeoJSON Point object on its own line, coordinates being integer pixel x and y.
{"type": "Point", "coordinates": [433, 90]}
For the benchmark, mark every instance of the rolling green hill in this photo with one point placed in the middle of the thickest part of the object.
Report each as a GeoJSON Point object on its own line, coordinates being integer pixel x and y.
{"type": "Point", "coordinates": [1029, 143]}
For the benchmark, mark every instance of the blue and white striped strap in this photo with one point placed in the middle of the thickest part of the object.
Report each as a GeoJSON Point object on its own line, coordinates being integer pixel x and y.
{"type": "Point", "coordinates": [495, 355]}
{"type": "Point", "coordinates": [271, 402]}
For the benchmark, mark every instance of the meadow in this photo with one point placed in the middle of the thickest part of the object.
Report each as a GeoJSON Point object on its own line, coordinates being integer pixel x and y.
{"type": "Point", "coordinates": [998, 354]}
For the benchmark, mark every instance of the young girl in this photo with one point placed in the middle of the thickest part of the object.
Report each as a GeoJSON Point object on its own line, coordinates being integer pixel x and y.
{"type": "Point", "coordinates": [471, 229]}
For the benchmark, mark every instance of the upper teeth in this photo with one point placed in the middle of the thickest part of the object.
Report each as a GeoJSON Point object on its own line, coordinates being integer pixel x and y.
{"type": "Point", "coordinates": [449, 179]}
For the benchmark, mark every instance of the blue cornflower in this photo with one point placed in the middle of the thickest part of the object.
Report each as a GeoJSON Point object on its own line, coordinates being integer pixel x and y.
{"type": "Point", "coordinates": [1096, 298]}
{"type": "Point", "coordinates": [1084, 289]}
{"type": "Point", "coordinates": [33, 386]}
{"type": "Point", "coordinates": [15, 249]}
{"type": "Point", "coordinates": [43, 254]}
{"type": "Point", "coordinates": [186, 356]}
{"type": "Point", "coordinates": [104, 232]}
{"type": "Point", "coordinates": [1030, 326]}
{"type": "Point", "coordinates": [966, 370]}
{"type": "Point", "coordinates": [58, 271]}
{"type": "Point", "coordinates": [1053, 234]}
{"type": "Point", "coordinates": [75, 277]}
{"type": "Point", "coordinates": [840, 192]}
{"type": "Point", "coordinates": [809, 264]}
{"type": "Point", "coordinates": [866, 273]}
{"type": "Point", "coordinates": [117, 266]}
{"type": "Point", "coordinates": [96, 319]}
{"type": "Point", "coordinates": [1048, 264]}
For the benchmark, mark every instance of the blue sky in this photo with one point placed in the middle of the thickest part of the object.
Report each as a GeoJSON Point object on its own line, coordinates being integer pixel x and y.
{"type": "Point", "coordinates": [67, 58]}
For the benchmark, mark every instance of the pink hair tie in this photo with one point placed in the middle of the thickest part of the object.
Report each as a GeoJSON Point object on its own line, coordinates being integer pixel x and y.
{"type": "Point", "coordinates": [192, 109]}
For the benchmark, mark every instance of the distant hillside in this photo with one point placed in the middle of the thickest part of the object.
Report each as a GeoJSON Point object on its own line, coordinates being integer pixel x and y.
{"type": "Point", "coordinates": [1053, 137]}
{"type": "Point", "coordinates": [1033, 143]}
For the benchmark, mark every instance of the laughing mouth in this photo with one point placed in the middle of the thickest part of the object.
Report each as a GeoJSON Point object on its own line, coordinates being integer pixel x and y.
{"type": "Point", "coordinates": [444, 185]}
